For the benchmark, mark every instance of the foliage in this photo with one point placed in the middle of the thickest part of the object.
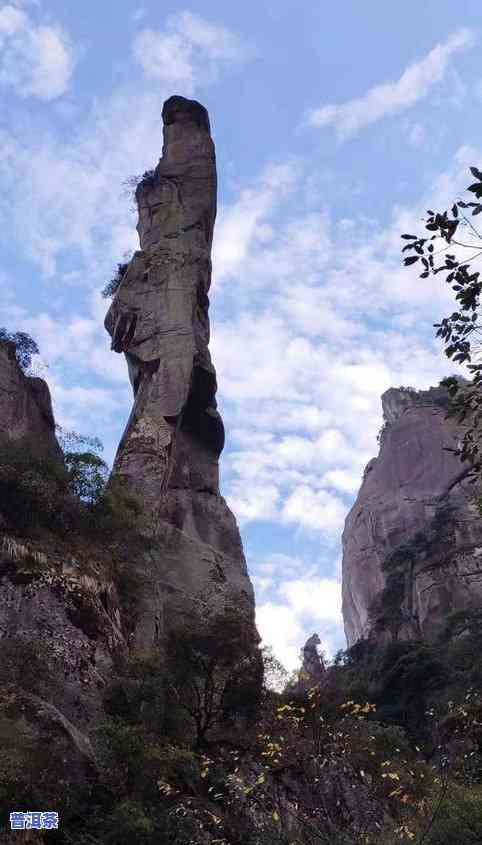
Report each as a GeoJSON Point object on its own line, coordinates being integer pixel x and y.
{"type": "Point", "coordinates": [23, 663]}
{"type": "Point", "coordinates": [275, 675]}
{"type": "Point", "coordinates": [454, 230]}
{"type": "Point", "coordinates": [133, 183]}
{"type": "Point", "coordinates": [25, 347]}
{"type": "Point", "coordinates": [70, 494]}
{"type": "Point", "coordinates": [32, 489]}
{"type": "Point", "coordinates": [392, 607]}
{"type": "Point", "coordinates": [459, 820]}
{"type": "Point", "coordinates": [322, 768]}
{"type": "Point", "coordinates": [214, 674]}
{"type": "Point", "coordinates": [112, 286]}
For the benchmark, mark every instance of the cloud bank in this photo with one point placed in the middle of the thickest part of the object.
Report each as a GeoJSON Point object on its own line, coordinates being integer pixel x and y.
{"type": "Point", "coordinates": [390, 98]}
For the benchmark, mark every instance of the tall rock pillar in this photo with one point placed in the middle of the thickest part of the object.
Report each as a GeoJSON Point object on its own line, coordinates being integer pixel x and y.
{"type": "Point", "coordinates": [159, 316]}
{"type": "Point", "coordinates": [168, 455]}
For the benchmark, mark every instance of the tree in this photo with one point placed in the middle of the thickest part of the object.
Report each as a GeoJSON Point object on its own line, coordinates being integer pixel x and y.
{"type": "Point", "coordinates": [87, 471]}
{"type": "Point", "coordinates": [275, 674]}
{"type": "Point", "coordinates": [214, 675]}
{"type": "Point", "coordinates": [453, 245]}
{"type": "Point", "coordinates": [112, 286]}
{"type": "Point", "coordinates": [25, 346]}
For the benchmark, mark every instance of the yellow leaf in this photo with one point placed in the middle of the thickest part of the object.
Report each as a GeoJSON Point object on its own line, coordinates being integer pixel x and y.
{"type": "Point", "coordinates": [276, 815]}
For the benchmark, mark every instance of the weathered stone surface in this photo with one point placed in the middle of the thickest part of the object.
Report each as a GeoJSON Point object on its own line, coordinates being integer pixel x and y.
{"type": "Point", "coordinates": [312, 668]}
{"type": "Point", "coordinates": [414, 487]}
{"type": "Point", "coordinates": [70, 608]}
{"type": "Point", "coordinates": [26, 417]}
{"type": "Point", "coordinates": [50, 599]}
{"type": "Point", "coordinates": [159, 315]}
{"type": "Point", "coordinates": [168, 455]}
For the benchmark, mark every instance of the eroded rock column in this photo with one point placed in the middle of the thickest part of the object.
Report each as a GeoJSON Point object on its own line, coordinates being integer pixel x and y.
{"type": "Point", "coordinates": [159, 314]}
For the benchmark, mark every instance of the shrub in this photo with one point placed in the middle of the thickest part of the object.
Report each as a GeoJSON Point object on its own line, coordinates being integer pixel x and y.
{"type": "Point", "coordinates": [25, 346]}
{"type": "Point", "coordinates": [459, 819]}
{"type": "Point", "coordinates": [112, 286]}
{"type": "Point", "coordinates": [32, 489]}
{"type": "Point", "coordinates": [25, 664]}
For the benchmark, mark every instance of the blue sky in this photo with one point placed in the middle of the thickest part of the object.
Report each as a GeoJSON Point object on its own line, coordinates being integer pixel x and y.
{"type": "Point", "coordinates": [336, 126]}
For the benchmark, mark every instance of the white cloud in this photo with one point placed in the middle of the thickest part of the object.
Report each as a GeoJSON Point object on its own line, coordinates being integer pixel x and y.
{"type": "Point", "coordinates": [302, 364]}
{"type": "Point", "coordinates": [315, 509]}
{"type": "Point", "coordinates": [388, 98]}
{"type": "Point", "coordinates": [36, 60]}
{"type": "Point", "coordinates": [119, 137]}
{"type": "Point", "coordinates": [345, 480]}
{"type": "Point", "coordinates": [253, 504]}
{"type": "Point", "coordinates": [186, 48]}
{"type": "Point", "coordinates": [48, 175]}
{"type": "Point", "coordinates": [299, 607]}
{"type": "Point", "coordinates": [240, 226]}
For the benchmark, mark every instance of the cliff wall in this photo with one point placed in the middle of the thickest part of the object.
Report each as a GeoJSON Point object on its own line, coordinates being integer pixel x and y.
{"type": "Point", "coordinates": [412, 542]}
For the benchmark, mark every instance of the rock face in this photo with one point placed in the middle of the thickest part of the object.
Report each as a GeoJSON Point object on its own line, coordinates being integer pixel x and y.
{"type": "Point", "coordinates": [168, 455]}
{"type": "Point", "coordinates": [59, 616]}
{"type": "Point", "coordinates": [26, 418]}
{"type": "Point", "coordinates": [412, 543]}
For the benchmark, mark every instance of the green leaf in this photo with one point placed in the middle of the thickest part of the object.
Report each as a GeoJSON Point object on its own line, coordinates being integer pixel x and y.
{"type": "Point", "coordinates": [476, 189]}
{"type": "Point", "coordinates": [411, 260]}
{"type": "Point", "coordinates": [409, 237]}
{"type": "Point", "coordinates": [476, 172]}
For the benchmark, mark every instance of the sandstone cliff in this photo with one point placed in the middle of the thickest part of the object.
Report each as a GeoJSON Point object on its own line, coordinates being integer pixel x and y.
{"type": "Point", "coordinates": [412, 542]}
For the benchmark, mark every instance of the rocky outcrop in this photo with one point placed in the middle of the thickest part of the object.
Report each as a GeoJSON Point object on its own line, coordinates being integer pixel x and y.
{"type": "Point", "coordinates": [312, 670]}
{"type": "Point", "coordinates": [168, 456]}
{"type": "Point", "coordinates": [60, 624]}
{"type": "Point", "coordinates": [412, 543]}
{"type": "Point", "coordinates": [26, 417]}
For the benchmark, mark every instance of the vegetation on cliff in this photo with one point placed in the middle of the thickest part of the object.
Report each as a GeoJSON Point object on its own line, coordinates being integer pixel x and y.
{"type": "Point", "coordinates": [452, 246]}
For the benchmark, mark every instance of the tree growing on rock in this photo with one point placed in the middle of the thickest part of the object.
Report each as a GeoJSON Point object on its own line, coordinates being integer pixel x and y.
{"type": "Point", "coordinates": [214, 675]}
{"type": "Point", "coordinates": [453, 246]}
{"type": "Point", "coordinates": [25, 347]}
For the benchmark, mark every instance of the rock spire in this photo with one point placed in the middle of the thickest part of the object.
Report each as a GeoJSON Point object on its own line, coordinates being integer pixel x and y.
{"type": "Point", "coordinates": [168, 455]}
{"type": "Point", "coordinates": [159, 315]}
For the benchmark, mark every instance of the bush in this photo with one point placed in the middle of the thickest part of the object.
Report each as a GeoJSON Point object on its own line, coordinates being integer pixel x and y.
{"type": "Point", "coordinates": [25, 346]}
{"type": "Point", "coordinates": [25, 664]}
{"type": "Point", "coordinates": [112, 286]}
{"type": "Point", "coordinates": [459, 820]}
{"type": "Point", "coordinates": [32, 489]}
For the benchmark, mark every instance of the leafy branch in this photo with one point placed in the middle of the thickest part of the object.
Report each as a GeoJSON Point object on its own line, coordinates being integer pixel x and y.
{"type": "Point", "coordinates": [461, 331]}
